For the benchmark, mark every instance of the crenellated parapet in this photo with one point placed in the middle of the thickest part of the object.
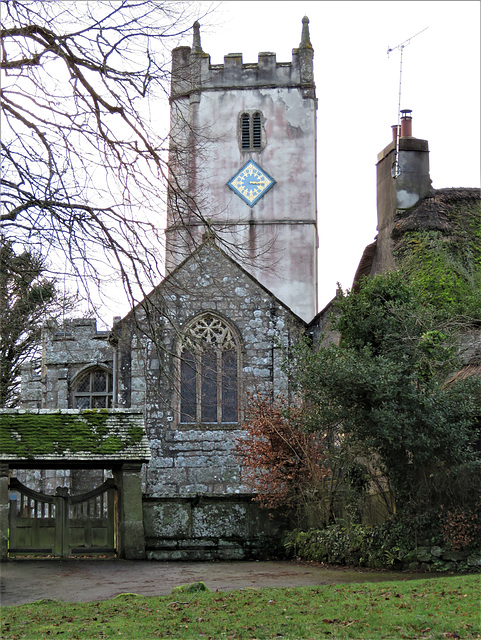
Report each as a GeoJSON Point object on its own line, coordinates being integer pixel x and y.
{"type": "Point", "coordinates": [192, 70]}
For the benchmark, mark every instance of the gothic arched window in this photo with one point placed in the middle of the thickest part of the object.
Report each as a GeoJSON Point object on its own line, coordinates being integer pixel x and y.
{"type": "Point", "coordinates": [209, 380]}
{"type": "Point", "coordinates": [251, 131]}
{"type": "Point", "coordinates": [93, 389]}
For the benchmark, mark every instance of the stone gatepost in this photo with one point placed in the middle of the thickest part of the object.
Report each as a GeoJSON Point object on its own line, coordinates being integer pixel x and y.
{"type": "Point", "coordinates": [131, 522]}
{"type": "Point", "coordinates": [4, 505]}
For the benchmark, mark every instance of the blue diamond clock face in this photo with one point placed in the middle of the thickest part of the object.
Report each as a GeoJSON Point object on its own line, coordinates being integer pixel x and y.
{"type": "Point", "coordinates": [251, 182]}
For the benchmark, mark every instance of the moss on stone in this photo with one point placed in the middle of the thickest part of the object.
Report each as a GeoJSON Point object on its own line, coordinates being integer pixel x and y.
{"type": "Point", "coordinates": [31, 435]}
{"type": "Point", "coordinates": [135, 434]}
{"type": "Point", "coordinates": [192, 587]}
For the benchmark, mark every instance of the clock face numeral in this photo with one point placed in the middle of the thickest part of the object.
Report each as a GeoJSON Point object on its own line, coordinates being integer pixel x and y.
{"type": "Point", "coordinates": [251, 182]}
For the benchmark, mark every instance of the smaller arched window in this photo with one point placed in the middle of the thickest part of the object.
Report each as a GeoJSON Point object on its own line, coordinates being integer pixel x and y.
{"type": "Point", "coordinates": [251, 132]}
{"type": "Point", "coordinates": [209, 378]}
{"type": "Point", "coordinates": [93, 390]}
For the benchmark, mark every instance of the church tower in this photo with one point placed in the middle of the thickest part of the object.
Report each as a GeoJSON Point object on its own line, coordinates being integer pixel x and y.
{"type": "Point", "coordinates": [243, 165]}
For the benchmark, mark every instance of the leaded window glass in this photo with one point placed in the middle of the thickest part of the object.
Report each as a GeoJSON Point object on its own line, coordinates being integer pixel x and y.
{"type": "Point", "coordinates": [209, 373]}
{"type": "Point", "coordinates": [93, 390]}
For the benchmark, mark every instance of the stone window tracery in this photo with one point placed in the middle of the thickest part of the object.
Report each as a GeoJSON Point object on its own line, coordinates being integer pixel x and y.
{"type": "Point", "coordinates": [209, 360]}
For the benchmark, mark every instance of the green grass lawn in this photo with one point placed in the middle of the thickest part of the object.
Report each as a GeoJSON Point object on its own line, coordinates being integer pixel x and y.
{"type": "Point", "coordinates": [434, 608]}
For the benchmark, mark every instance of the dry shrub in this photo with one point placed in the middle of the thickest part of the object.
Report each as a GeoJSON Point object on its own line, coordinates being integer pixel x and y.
{"type": "Point", "coordinates": [460, 526]}
{"type": "Point", "coordinates": [283, 465]}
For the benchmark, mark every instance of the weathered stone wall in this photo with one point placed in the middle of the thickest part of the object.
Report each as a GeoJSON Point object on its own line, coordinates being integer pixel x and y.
{"type": "Point", "coordinates": [202, 460]}
{"type": "Point", "coordinates": [66, 350]}
{"type": "Point", "coordinates": [209, 528]}
{"type": "Point", "coordinates": [31, 390]}
{"type": "Point", "coordinates": [470, 347]}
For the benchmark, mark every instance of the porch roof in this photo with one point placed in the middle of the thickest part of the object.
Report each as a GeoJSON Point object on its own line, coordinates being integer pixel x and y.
{"type": "Point", "coordinates": [73, 436]}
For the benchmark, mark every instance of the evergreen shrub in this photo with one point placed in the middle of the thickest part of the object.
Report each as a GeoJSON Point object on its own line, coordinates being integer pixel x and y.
{"type": "Point", "coordinates": [443, 541]}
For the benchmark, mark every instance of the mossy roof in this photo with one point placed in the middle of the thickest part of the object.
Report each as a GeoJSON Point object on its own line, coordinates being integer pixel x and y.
{"type": "Point", "coordinates": [439, 211]}
{"type": "Point", "coordinates": [451, 212]}
{"type": "Point", "coordinates": [73, 436]}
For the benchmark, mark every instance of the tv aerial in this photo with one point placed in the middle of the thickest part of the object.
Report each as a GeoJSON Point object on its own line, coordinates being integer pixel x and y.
{"type": "Point", "coordinates": [395, 171]}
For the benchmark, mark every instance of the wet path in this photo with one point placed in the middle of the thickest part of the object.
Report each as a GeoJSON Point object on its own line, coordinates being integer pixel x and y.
{"type": "Point", "coordinates": [24, 581]}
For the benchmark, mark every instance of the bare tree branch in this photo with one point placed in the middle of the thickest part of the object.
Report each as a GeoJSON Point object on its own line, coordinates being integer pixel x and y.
{"type": "Point", "coordinates": [84, 154]}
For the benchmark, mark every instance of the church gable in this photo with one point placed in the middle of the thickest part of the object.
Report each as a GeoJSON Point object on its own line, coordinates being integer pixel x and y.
{"type": "Point", "coordinates": [216, 339]}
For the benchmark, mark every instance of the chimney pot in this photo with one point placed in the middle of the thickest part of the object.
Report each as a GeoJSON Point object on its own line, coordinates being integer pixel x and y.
{"type": "Point", "coordinates": [395, 131]}
{"type": "Point", "coordinates": [406, 123]}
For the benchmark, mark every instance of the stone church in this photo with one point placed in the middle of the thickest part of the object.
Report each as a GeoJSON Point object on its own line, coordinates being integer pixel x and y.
{"type": "Point", "coordinates": [241, 284]}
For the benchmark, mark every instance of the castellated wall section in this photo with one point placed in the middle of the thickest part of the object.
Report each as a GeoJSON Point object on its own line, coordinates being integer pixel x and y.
{"type": "Point", "coordinates": [192, 71]}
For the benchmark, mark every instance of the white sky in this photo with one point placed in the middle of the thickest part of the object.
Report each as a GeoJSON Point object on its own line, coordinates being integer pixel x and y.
{"type": "Point", "coordinates": [358, 90]}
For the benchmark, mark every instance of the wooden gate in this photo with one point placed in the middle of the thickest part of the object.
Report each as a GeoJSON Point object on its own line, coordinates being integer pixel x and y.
{"type": "Point", "coordinates": [62, 525]}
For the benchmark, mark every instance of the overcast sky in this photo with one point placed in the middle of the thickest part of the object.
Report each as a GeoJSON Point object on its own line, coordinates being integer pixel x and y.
{"type": "Point", "coordinates": [358, 91]}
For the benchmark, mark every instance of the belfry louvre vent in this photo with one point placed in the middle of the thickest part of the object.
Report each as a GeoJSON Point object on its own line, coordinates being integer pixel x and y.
{"type": "Point", "coordinates": [256, 131]}
{"type": "Point", "coordinates": [246, 134]}
{"type": "Point", "coordinates": [251, 131]}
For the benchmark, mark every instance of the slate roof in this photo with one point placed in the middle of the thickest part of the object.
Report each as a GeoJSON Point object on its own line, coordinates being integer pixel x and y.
{"type": "Point", "coordinates": [73, 436]}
